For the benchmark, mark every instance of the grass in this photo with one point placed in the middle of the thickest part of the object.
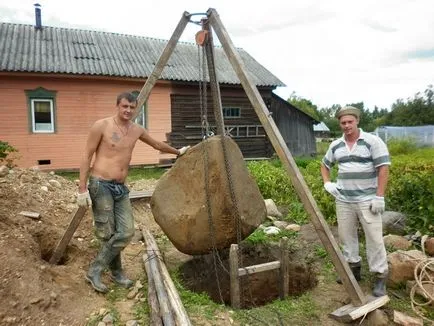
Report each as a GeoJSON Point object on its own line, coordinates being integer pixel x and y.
{"type": "Point", "coordinates": [137, 173]}
{"type": "Point", "coordinates": [199, 304]}
{"type": "Point", "coordinates": [301, 310]}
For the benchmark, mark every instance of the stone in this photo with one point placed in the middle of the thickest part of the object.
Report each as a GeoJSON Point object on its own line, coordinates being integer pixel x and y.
{"type": "Point", "coordinates": [393, 222]}
{"type": "Point", "coordinates": [401, 319]}
{"type": "Point", "coordinates": [272, 209]}
{"type": "Point", "coordinates": [293, 227]}
{"type": "Point", "coordinates": [55, 183]}
{"type": "Point", "coordinates": [132, 323]}
{"type": "Point", "coordinates": [402, 265]}
{"type": "Point", "coordinates": [280, 224]}
{"type": "Point", "coordinates": [180, 206]}
{"type": "Point", "coordinates": [270, 230]}
{"type": "Point", "coordinates": [429, 246]}
{"type": "Point", "coordinates": [376, 318]}
{"type": "Point", "coordinates": [396, 242]}
{"type": "Point", "coordinates": [4, 171]}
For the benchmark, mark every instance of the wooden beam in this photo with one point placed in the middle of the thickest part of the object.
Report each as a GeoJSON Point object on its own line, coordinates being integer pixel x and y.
{"type": "Point", "coordinates": [248, 270]}
{"type": "Point", "coordinates": [154, 307]}
{"type": "Point", "coordinates": [141, 194]}
{"type": "Point", "coordinates": [234, 278]}
{"type": "Point", "coordinates": [179, 313]}
{"type": "Point", "coordinates": [349, 312]}
{"type": "Point", "coordinates": [76, 218]}
{"type": "Point", "coordinates": [214, 84]}
{"type": "Point", "coordinates": [324, 233]}
{"type": "Point", "coordinates": [163, 299]}
{"type": "Point", "coordinates": [284, 268]}
{"type": "Point", "coordinates": [161, 63]}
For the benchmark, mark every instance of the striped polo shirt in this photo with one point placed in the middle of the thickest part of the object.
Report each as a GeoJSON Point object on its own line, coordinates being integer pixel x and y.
{"type": "Point", "coordinates": [357, 168]}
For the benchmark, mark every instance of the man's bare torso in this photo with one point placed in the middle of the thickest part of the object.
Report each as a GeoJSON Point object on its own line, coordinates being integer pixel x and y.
{"type": "Point", "coordinates": [114, 151]}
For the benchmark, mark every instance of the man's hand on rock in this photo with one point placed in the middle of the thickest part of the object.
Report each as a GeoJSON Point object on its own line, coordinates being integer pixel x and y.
{"type": "Point", "coordinates": [183, 150]}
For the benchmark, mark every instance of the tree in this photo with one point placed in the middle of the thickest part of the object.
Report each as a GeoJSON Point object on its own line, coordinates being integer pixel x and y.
{"type": "Point", "coordinates": [304, 105]}
{"type": "Point", "coordinates": [416, 111]}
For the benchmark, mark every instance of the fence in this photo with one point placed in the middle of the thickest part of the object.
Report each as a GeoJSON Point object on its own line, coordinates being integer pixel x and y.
{"type": "Point", "coordinates": [422, 135]}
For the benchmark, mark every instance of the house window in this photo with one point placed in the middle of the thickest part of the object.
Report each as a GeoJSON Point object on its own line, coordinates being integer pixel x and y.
{"type": "Point", "coordinates": [142, 117]}
{"type": "Point", "coordinates": [42, 115]}
{"type": "Point", "coordinates": [42, 106]}
{"type": "Point", "coordinates": [231, 113]}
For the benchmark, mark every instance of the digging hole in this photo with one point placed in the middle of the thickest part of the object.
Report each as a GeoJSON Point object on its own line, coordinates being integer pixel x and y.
{"type": "Point", "coordinates": [199, 275]}
{"type": "Point", "coordinates": [47, 244]}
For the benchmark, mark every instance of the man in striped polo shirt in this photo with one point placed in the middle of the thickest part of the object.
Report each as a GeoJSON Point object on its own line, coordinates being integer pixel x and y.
{"type": "Point", "coordinates": [363, 169]}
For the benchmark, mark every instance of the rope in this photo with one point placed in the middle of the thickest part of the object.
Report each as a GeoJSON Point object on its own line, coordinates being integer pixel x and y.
{"type": "Point", "coordinates": [423, 278]}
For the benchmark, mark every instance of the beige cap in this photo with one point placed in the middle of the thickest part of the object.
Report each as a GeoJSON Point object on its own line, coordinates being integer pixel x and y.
{"type": "Point", "coordinates": [346, 110]}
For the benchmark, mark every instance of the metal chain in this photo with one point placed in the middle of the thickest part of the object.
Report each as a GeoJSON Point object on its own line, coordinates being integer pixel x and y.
{"type": "Point", "coordinates": [205, 134]}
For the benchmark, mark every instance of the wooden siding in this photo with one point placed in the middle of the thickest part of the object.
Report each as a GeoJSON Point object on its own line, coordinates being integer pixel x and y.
{"type": "Point", "coordinates": [186, 120]}
{"type": "Point", "coordinates": [80, 102]}
{"type": "Point", "coordinates": [295, 127]}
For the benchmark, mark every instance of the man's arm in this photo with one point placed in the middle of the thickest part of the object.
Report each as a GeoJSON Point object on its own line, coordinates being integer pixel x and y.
{"type": "Point", "coordinates": [383, 176]}
{"type": "Point", "coordinates": [158, 145]}
{"type": "Point", "coordinates": [92, 143]}
{"type": "Point", "coordinates": [325, 173]}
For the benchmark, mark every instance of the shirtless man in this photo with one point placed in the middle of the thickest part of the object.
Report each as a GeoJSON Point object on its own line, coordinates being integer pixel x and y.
{"type": "Point", "coordinates": [112, 140]}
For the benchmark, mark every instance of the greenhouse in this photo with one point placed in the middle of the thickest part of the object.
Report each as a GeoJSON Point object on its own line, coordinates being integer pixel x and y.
{"type": "Point", "coordinates": [422, 135]}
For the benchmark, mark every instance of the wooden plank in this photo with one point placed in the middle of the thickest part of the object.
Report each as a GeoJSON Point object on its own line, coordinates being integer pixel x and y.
{"type": "Point", "coordinates": [324, 233]}
{"type": "Point", "coordinates": [161, 63]}
{"type": "Point", "coordinates": [284, 268]}
{"type": "Point", "coordinates": [141, 194]}
{"type": "Point", "coordinates": [77, 216]}
{"type": "Point", "coordinates": [33, 215]}
{"type": "Point", "coordinates": [179, 313]}
{"type": "Point", "coordinates": [163, 299]}
{"type": "Point", "coordinates": [234, 279]}
{"type": "Point", "coordinates": [154, 307]}
{"type": "Point", "coordinates": [349, 312]}
{"type": "Point", "coordinates": [215, 88]}
{"type": "Point", "coordinates": [248, 270]}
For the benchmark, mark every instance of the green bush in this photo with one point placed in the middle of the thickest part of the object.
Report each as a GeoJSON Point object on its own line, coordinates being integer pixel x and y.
{"type": "Point", "coordinates": [401, 146]}
{"type": "Point", "coordinates": [410, 189]}
{"type": "Point", "coordinates": [7, 154]}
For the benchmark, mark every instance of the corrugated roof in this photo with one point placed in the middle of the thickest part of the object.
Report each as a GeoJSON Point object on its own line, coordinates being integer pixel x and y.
{"type": "Point", "coordinates": [63, 50]}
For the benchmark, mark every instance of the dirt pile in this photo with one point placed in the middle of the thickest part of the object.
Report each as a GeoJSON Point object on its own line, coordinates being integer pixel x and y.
{"type": "Point", "coordinates": [34, 292]}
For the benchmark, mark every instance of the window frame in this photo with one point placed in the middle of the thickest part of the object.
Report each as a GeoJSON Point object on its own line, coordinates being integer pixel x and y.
{"type": "Point", "coordinates": [225, 108]}
{"type": "Point", "coordinates": [144, 111]}
{"type": "Point", "coordinates": [41, 94]}
{"type": "Point", "coordinates": [48, 131]}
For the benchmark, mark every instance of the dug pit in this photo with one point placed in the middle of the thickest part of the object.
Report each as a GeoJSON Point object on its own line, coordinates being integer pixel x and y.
{"type": "Point", "coordinates": [210, 274]}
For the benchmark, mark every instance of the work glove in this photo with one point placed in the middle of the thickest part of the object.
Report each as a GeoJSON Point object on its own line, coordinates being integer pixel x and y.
{"type": "Point", "coordinates": [183, 150]}
{"type": "Point", "coordinates": [377, 205]}
{"type": "Point", "coordinates": [332, 188]}
{"type": "Point", "coordinates": [83, 199]}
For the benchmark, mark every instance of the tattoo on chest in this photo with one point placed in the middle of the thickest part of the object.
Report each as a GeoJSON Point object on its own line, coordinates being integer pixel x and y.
{"type": "Point", "coordinates": [115, 137]}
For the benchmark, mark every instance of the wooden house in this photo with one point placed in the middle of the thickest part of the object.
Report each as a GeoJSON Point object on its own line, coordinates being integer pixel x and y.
{"type": "Point", "coordinates": [55, 82]}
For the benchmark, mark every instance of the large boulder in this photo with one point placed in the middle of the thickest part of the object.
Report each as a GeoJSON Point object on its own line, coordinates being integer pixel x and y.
{"type": "Point", "coordinates": [402, 265]}
{"type": "Point", "coordinates": [180, 205]}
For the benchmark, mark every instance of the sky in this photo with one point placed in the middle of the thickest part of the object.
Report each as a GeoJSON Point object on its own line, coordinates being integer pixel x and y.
{"type": "Point", "coordinates": [329, 52]}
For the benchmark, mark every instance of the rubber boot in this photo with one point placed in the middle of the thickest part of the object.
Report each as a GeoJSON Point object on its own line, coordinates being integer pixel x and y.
{"type": "Point", "coordinates": [356, 269]}
{"type": "Point", "coordinates": [93, 276]}
{"type": "Point", "coordinates": [101, 262]}
{"type": "Point", "coordinates": [117, 274]}
{"type": "Point", "coordinates": [379, 288]}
